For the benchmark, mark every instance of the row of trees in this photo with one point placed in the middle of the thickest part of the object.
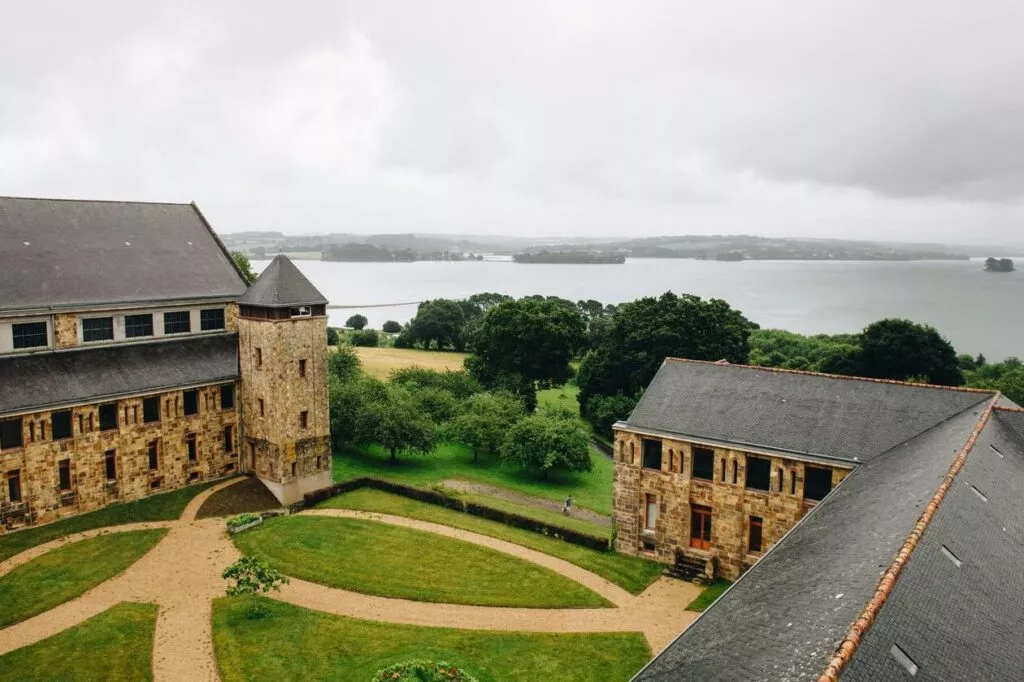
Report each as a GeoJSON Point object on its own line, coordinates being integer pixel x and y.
{"type": "Point", "coordinates": [417, 408]}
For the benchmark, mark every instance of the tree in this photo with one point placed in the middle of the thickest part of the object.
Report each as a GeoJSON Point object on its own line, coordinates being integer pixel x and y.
{"type": "Point", "coordinates": [244, 266]}
{"type": "Point", "coordinates": [343, 363]}
{"type": "Point", "coordinates": [547, 441]}
{"type": "Point", "coordinates": [356, 322]}
{"type": "Point", "coordinates": [395, 421]}
{"type": "Point", "coordinates": [818, 353]}
{"type": "Point", "coordinates": [347, 400]}
{"type": "Point", "coordinates": [604, 410]}
{"type": "Point", "coordinates": [364, 337]}
{"type": "Point", "coordinates": [532, 338]}
{"type": "Point", "coordinates": [643, 333]}
{"type": "Point", "coordinates": [484, 420]}
{"type": "Point", "coordinates": [252, 576]}
{"type": "Point", "coordinates": [1006, 376]}
{"type": "Point", "coordinates": [391, 327]}
{"type": "Point", "coordinates": [436, 403]}
{"type": "Point", "coordinates": [459, 383]}
{"type": "Point", "coordinates": [901, 349]}
{"type": "Point", "coordinates": [439, 322]}
{"type": "Point", "coordinates": [332, 337]}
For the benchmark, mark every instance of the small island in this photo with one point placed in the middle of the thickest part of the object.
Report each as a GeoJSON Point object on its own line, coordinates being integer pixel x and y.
{"type": "Point", "coordinates": [572, 257]}
{"type": "Point", "coordinates": [998, 265]}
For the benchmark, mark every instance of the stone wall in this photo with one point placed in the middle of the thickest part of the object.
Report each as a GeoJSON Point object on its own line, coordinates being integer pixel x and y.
{"type": "Point", "coordinates": [38, 461]}
{"type": "Point", "coordinates": [65, 330]}
{"type": "Point", "coordinates": [675, 491]}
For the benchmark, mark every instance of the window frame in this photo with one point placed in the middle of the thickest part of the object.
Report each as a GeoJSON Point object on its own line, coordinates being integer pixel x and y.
{"type": "Point", "coordinates": [753, 466]}
{"type": "Point", "coordinates": [149, 401]}
{"type": "Point", "coordinates": [64, 469]}
{"type": "Point", "coordinates": [304, 419]}
{"type": "Point", "coordinates": [138, 326]}
{"type": "Point", "coordinates": [807, 482]}
{"type": "Point", "coordinates": [647, 445]}
{"type": "Point", "coordinates": [105, 409]}
{"type": "Point", "coordinates": [698, 452]}
{"type": "Point", "coordinates": [110, 465]}
{"type": "Point", "coordinates": [19, 340]}
{"type": "Point", "coordinates": [185, 402]}
{"type": "Point", "coordinates": [227, 389]}
{"type": "Point", "coordinates": [302, 368]}
{"type": "Point", "coordinates": [758, 523]}
{"type": "Point", "coordinates": [55, 419]}
{"type": "Point", "coordinates": [7, 443]}
{"type": "Point", "coordinates": [153, 454]}
{"type": "Point", "coordinates": [173, 319]}
{"type": "Point", "coordinates": [86, 321]}
{"type": "Point", "coordinates": [229, 438]}
{"type": "Point", "coordinates": [14, 492]}
{"type": "Point", "coordinates": [192, 447]}
{"type": "Point", "coordinates": [650, 501]}
{"type": "Point", "coordinates": [205, 324]}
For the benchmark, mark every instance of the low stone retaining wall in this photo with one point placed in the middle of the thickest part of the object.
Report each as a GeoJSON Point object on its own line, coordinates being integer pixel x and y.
{"type": "Point", "coordinates": [451, 502]}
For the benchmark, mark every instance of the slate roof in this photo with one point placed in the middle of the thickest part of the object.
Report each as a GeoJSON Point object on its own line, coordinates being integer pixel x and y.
{"type": "Point", "coordinates": [281, 285]}
{"type": "Point", "coordinates": [784, 618]}
{"type": "Point", "coordinates": [52, 379]}
{"type": "Point", "coordinates": [57, 253]}
{"type": "Point", "coordinates": [796, 412]}
{"type": "Point", "coordinates": [961, 622]}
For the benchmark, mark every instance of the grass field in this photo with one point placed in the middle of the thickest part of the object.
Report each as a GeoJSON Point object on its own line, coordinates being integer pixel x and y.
{"type": "Point", "coordinates": [162, 507]}
{"type": "Point", "coordinates": [709, 595]}
{"type": "Point", "coordinates": [379, 362]}
{"type": "Point", "coordinates": [591, 490]}
{"type": "Point", "coordinates": [391, 561]}
{"type": "Point", "coordinates": [115, 646]}
{"type": "Point", "coordinates": [67, 572]}
{"type": "Point", "coordinates": [631, 573]}
{"type": "Point", "coordinates": [292, 643]}
{"type": "Point", "coordinates": [554, 518]}
{"type": "Point", "coordinates": [566, 398]}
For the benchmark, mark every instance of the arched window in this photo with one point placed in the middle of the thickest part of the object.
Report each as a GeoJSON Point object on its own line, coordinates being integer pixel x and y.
{"type": "Point", "coordinates": [781, 476]}
{"type": "Point", "coordinates": [632, 453]}
{"type": "Point", "coordinates": [723, 470]}
{"type": "Point", "coordinates": [671, 459]}
{"type": "Point", "coordinates": [735, 471]}
{"type": "Point", "coordinates": [792, 482]}
{"type": "Point", "coordinates": [622, 451]}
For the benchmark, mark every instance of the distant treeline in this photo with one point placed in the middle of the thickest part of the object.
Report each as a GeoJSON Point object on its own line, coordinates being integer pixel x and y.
{"type": "Point", "coordinates": [999, 265]}
{"type": "Point", "coordinates": [368, 253]}
{"type": "Point", "coordinates": [571, 257]}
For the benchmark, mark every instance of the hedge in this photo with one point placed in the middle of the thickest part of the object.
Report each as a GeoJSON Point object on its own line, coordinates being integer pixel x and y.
{"type": "Point", "coordinates": [435, 497]}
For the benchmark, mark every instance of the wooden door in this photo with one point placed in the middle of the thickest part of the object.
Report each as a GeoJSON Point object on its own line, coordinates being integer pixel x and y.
{"type": "Point", "coordinates": [700, 527]}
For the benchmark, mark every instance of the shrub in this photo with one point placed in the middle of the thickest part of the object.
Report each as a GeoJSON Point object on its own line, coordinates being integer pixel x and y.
{"type": "Point", "coordinates": [392, 327]}
{"type": "Point", "coordinates": [343, 363]}
{"type": "Point", "coordinates": [364, 337]}
{"type": "Point", "coordinates": [252, 576]}
{"type": "Point", "coordinates": [423, 671]}
{"type": "Point", "coordinates": [242, 519]}
{"type": "Point", "coordinates": [332, 337]}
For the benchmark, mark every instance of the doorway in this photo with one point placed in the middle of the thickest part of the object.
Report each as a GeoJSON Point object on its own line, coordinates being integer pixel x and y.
{"type": "Point", "coordinates": [700, 527]}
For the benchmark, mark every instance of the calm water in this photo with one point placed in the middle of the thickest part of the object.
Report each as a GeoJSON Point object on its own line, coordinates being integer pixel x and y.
{"type": "Point", "coordinates": [977, 311]}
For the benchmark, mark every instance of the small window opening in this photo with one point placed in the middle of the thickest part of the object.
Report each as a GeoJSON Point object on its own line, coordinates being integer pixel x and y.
{"type": "Point", "coordinates": [952, 557]}
{"type": "Point", "coordinates": [32, 432]}
{"type": "Point", "coordinates": [652, 454]}
{"type": "Point", "coordinates": [110, 464]}
{"type": "Point", "coordinates": [901, 657]}
{"type": "Point", "coordinates": [295, 468]}
{"type": "Point", "coordinates": [735, 471]}
{"type": "Point", "coordinates": [304, 419]}
{"type": "Point", "coordinates": [108, 417]}
{"type": "Point", "coordinates": [979, 494]}
{"type": "Point", "coordinates": [817, 482]}
{"type": "Point", "coordinates": [782, 475]}
{"type": "Point", "coordinates": [14, 486]}
{"type": "Point", "coordinates": [62, 424]}
{"type": "Point", "coordinates": [792, 482]}
{"type": "Point", "coordinates": [64, 474]}
{"type": "Point", "coordinates": [650, 512]}
{"type": "Point", "coordinates": [191, 402]}
{"type": "Point", "coordinates": [262, 411]}
{"type": "Point", "coordinates": [227, 397]}
{"type": "Point", "coordinates": [302, 368]}
{"type": "Point", "coordinates": [758, 473]}
{"type": "Point", "coordinates": [259, 357]}
{"type": "Point", "coordinates": [756, 527]}
{"type": "Point", "coordinates": [154, 454]}
{"type": "Point", "coordinates": [703, 466]}
{"type": "Point", "coordinates": [190, 441]}
{"type": "Point", "coordinates": [229, 439]}
{"type": "Point", "coordinates": [996, 450]}
{"type": "Point", "coordinates": [151, 409]}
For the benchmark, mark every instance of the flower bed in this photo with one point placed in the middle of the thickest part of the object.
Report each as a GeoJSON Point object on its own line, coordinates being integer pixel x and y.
{"type": "Point", "coordinates": [236, 524]}
{"type": "Point", "coordinates": [423, 671]}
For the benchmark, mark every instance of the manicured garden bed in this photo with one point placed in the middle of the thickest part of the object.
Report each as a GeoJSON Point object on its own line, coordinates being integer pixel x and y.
{"type": "Point", "coordinates": [295, 643]}
{"type": "Point", "coordinates": [67, 572]}
{"type": "Point", "coordinates": [162, 507]}
{"type": "Point", "coordinates": [391, 561]}
{"type": "Point", "coordinates": [631, 573]}
{"type": "Point", "coordinates": [115, 646]}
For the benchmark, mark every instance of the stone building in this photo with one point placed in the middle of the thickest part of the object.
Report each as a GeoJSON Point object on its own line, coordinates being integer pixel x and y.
{"type": "Point", "coordinates": [120, 372]}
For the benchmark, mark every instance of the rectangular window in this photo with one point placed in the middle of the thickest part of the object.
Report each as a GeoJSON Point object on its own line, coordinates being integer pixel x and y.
{"type": "Point", "coordinates": [294, 468]}
{"type": "Point", "coordinates": [304, 418]}
{"type": "Point", "coordinates": [151, 409]}
{"type": "Point", "coordinates": [227, 397]}
{"type": "Point", "coordinates": [178, 322]}
{"type": "Point", "coordinates": [817, 482]}
{"type": "Point", "coordinates": [97, 329]}
{"type": "Point", "coordinates": [61, 424]}
{"type": "Point", "coordinates": [153, 452]}
{"type": "Point", "coordinates": [191, 402]}
{"type": "Point", "coordinates": [262, 413]}
{"type": "Point", "coordinates": [14, 486]}
{"type": "Point", "coordinates": [211, 319]}
{"type": "Point", "coordinates": [110, 461]}
{"type": "Point", "coordinates": [64, 474]}
{"type": "Point", "coordinates": [703, 463]}
{"type": "Point", "coordinates": [138, 325]}
{"type": "Point", "coordinates": [30, 335]}
{"type": "Point", "coordinates": [302, 368]}
{"type": "Point", "coordinates": [108, 417]}
{"type": "Point", "coordinates": [650, 512]}
{"type": "Point", "coordinates": [756, 525]}
{"type": "Point", "coordinates": [229, 438]}
{"type": "Point", "coordinates": [259, 357]}
{"type": "Point", "coordinates": [759, 473]}
{"type": "Point", "coordinates": [190, 441]}
{"type": "Point", "coordinates": [652, 453]}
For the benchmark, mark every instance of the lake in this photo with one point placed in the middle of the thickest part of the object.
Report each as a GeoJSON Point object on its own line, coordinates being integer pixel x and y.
{"type": "Point", "coordinates": [978, 311]}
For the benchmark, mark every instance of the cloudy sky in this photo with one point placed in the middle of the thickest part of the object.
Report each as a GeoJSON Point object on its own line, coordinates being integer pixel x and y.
{"type": "Point", "coordinates": [854, 118]}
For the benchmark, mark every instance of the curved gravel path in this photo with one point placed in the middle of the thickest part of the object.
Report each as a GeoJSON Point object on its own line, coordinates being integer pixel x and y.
{"type": "Point", "coordinates": [182, 575]}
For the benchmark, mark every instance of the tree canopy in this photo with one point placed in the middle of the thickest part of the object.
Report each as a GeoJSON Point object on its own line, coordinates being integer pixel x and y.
{"type": "Point", "coordinates": [438, 323]}
{"type": "Point", "coordinates": [820, 353]}
{"type": "Point", "coordinates": [395, 421]}
{"type": "Point", "coordinates": [547, 442]}
{"type": "Point", "coordinates": [904, 350]}
{"type": "Point", "coordinates": [391, 327]}
{"type": "Point", "coordinates": [356, 322]}
{"type": "Point", "coordinates": [1006, 376]}
{"type": "Point", "coordinates": [484, 420]}
{"type": "Point", "coordinates": [244, 266]}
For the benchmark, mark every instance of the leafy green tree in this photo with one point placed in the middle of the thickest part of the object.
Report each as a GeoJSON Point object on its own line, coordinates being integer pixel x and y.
{"type": "Point", "coordinates": [819, 353]}
{"type": "Point", "coordinates": [484, 420]}
{"type": "Point", "coordinates": [436, 403]}
{"type": "Point", "coordinates": [1006, 376]}
{"type": "Point", "coordinates": [343, 363]}
{"type": "Point", "coordinates": [439, 322]}
{"type": "Point", "coordinates": [368, 338]}
{"type": "Point", "coordinates": [646, 331]}
{"type": "Point", "coordinates": [391, 327]}
{"type": "Point", "coordinates": [547, 442]}
{"type": "Point", "coordinates": [244, 266]}
{"type": "Point", "coordinates": [533, 338]}
{"type": "Point", "coordinates": [604, 410]}
{"type": "Point", "coordinates": [347, 400]}
{"type": "Point", "coordinates": [459, 383]}
{"type": "Point", "coordinates": [356, 322]}
{"type": "Point", "coordinates": [252, 576]}
{"type": "Point", "coordinates": [332, 337]}
{"type": "Point", "coordinates": [395, 421]}
{"type": "Point", "coordinates": [901, 349]}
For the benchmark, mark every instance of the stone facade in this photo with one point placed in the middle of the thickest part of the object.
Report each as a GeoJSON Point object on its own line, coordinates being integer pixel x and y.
{"type": "Point", "coordinates": [733, 506]}
{"type": "Point", "coordinates": [38, 463]}
{"type": "Point", "coordinates": [286, 425]}
{"type": "Point", "coordinates": [65, 330]}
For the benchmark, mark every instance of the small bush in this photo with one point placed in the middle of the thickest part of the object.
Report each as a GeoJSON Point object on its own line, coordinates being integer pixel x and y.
{"type": "Point", "coordinates": [423, 671]}
{"type": "Point", "coordinates": [332, 337]}
{"type": "Point", "coordinates": [364, 337]}
{"type": "Point", "coordinates": [252, 576]}
{"type": "Point", "coordinates": [242, 519]}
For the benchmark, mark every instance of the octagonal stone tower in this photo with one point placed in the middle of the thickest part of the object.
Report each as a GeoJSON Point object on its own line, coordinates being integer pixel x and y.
{"type": "Point", "coordinates": [282, 339]}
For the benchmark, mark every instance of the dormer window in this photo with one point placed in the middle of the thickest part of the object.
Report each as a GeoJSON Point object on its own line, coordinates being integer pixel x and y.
{"type": "Point", "coordinates": [301, 311]}
{"type": "Point", "coordinates": [211, 319]}
{"type": "Point", "coordinates": [30, 335]}
{"type": "Point", "coordinates": [138, 325]}
{"type": "Point", "coordinates": [97, 329]}
{"type": "Point", "coordinates": [177, 322]}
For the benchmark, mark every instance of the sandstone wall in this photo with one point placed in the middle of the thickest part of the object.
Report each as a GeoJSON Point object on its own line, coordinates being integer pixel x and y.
{"type": "Point", "coordinates": [732, 504]}
{"type": "Point", "coordinates": [65, 330]}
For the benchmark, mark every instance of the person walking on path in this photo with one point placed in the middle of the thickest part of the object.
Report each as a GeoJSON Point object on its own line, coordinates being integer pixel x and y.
{"type": "Point", "coordinates": [568, 505]}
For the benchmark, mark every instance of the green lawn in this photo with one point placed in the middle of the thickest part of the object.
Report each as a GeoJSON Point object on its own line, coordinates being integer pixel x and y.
{"type": "Point", "coordinates": [554, 518]}
{"type": "Point", "coordinates": [391, 561]}
{"type": "Point", "coordinates": [709, 595]}
{"type": "Point", "coordinates": [163, 507]}
{"type": "Point", "coordinates": [65, 573]}
{"type": "Point", "coordinates": [567, 397]}
{"type": "Point", "coordinates": [292, 643]}
{"type": "Point", "coordinates": [592, 490]}
{"type": "Point", "coordinates": [631, 573]}
{"type": "Point", "coordinates": [114, 646]}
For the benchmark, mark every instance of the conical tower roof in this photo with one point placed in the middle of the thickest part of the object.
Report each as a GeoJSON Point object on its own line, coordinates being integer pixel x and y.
{"type": "Point", "coordinates": [281, 285]}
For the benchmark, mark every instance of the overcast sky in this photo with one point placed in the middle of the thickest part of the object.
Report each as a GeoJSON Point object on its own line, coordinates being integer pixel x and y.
{"type": "Point", "coordinates": [853, 118]}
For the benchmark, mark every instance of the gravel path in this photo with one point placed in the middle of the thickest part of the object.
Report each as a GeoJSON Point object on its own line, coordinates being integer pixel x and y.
{"type": "Point", "coordinates": [182, 575]}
